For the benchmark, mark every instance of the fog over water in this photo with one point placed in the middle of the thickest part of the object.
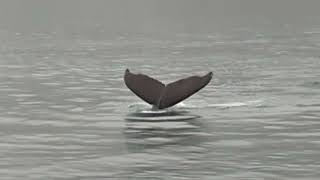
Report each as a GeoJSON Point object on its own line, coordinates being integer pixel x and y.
{"type": "Point", "coordinates": [156, 16]}
{"type": "Point", "coordinates": [63, 102]}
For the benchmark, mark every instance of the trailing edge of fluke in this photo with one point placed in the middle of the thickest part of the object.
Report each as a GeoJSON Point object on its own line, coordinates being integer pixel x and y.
{"type": "Point", "coordinates": [163, 96]}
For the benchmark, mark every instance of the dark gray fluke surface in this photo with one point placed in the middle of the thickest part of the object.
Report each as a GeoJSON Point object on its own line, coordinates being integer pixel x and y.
{"type": "Point", "coordinates": [146, 88]}
{"type": "Point", "coordinates": [163, 96]}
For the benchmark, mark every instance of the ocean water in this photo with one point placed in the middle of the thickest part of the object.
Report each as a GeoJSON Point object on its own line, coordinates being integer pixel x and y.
{"type": "Point", "coordinates": [63, 105]}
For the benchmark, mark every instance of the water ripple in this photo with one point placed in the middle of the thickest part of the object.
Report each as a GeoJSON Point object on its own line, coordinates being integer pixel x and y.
{"type": "Point", "coordinates": [63, 109]}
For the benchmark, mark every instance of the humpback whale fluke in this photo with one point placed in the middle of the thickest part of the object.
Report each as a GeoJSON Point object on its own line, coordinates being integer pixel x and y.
{"type": "Point", "coordinates": [163, 96]}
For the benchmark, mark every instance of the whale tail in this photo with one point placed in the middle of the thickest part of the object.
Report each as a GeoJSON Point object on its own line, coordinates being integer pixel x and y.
{"type": "Point", "coordinates": [163, 96]}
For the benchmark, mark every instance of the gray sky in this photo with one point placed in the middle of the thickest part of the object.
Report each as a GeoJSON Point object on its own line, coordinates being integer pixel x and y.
{"type": "Point", "coordinates": [154, 15]}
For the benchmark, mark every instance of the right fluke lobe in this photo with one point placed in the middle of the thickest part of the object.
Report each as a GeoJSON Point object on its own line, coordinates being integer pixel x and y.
{"type": "Point", "coordinates": [163, 96]}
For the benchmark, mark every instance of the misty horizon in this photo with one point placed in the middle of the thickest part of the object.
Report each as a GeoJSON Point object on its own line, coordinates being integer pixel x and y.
{"type": "Point", "coordinates": [155, 16]}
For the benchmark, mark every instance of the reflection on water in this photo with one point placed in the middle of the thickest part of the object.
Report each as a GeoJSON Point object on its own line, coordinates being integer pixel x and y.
{"type": "Point", "coordinates": [142, 136]}
{"type": "Point", "coordinates": [168, 147]}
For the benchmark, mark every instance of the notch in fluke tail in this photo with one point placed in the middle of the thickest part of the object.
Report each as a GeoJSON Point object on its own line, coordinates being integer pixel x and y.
{"type": "Point", "coordinates": [163, 96]}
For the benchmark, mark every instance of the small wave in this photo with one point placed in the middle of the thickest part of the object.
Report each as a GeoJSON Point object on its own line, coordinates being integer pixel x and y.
{"type": "Point", "coordinates": [313, 84]}
{"type": "Point", "coordinates": [183, 105]}
{"type": "Point", "coordinates": [139, 107]}
{"type": "Point", "coordinates": [161, 125]}
{"type": "Point", "coordinates": [309, 105]}
{"type": "Point", "coordinates": [22, 95]}
{"type": "Point", "coordinates": [79, 100]}
{"type": "Point", "coordinates": [144, 107]}
{"type": "Point", "coordinates": [238, 104]}
{"type": "Point", "coordinates": [256, 103]}
{"type": "Point", "coordinates": [312, 32]}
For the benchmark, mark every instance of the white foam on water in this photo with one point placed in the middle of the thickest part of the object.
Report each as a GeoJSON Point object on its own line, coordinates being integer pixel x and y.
{"type": "Point", "coordinates": [182, 105]}
{"type": "Point", "coordinates": [154, 111]}
{"type": "Point", "coordinates": [22, 95]}
{"type": "Point", "coordinates": [232, 104]}
{"type": "Point", "coordinates": [221, 105]}
{"type": "Point", "coordinates": [144, 112]}
{"type": "Point", "coordinates": [139, 107]}
{"type": "Point", "coordinates": [146, 109]}
{"type": "Point", "coordinates": [161, 125]}
{"type": "Point", "coordinates": [238, 104]}
{"type": "Point", "coordinates": [162, 118]}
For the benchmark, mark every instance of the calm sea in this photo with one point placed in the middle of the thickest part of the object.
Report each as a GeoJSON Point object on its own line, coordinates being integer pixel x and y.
{"type": "Point", "coordinates": [63, 105]}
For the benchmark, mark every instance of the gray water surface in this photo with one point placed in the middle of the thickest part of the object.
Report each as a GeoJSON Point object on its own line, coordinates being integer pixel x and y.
{"type": "Point", "coordinates": [63, 102]}
{"type": "Point", "coordinates": [63, 108]}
